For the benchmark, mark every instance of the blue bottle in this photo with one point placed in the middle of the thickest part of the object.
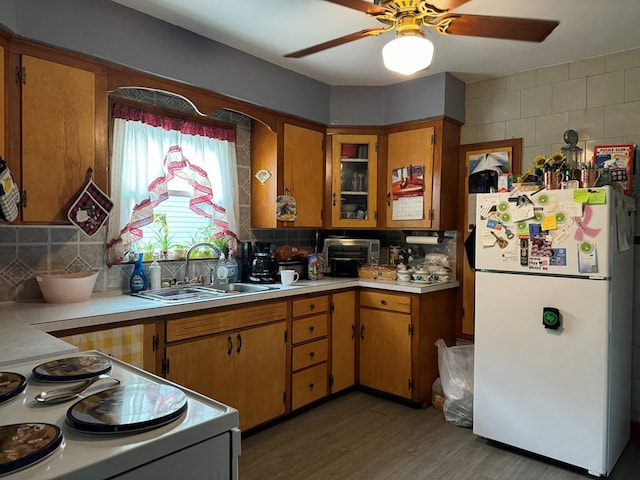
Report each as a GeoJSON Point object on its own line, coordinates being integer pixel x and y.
{"type": "Point", "coordinates": [138, 280]}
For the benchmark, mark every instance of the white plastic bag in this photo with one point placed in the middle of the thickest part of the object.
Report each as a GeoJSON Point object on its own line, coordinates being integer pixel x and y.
{"type": "Point", "coordinates": [456, 374]}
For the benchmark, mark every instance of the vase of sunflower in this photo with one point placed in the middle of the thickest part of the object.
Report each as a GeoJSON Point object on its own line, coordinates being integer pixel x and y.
{"type": "Point", "coordinates": [549, 171]}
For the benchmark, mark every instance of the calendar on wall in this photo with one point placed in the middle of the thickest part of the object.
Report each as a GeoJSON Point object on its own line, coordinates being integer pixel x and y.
{"type": "Point", "coordinates": [408, 193]}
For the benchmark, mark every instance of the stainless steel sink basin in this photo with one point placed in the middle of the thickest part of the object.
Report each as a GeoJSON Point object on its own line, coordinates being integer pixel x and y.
{"type": "Point", "coordinates": [235, 288]}
{"type": "Point", "coordinates": [178, 294]}
{"type": "Point", "coordinates": [201, 292]}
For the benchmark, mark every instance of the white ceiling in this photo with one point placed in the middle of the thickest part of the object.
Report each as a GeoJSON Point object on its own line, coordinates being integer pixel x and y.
{"type": "Point", "coordinates": [269, 29]}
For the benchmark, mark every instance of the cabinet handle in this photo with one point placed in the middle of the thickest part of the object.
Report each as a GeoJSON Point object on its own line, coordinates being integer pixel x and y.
{"type": "Point", "coordinates": [353, 331]}
{"type": "Point", "coordinates": [312, 306]}
{"type": "Point", "coordinates": [312, 328]}
{"type": "Point", "coordinates": [230, 345]}
{"type": "Point", "coordinates": [334, 199]}
{"type": "Point", "coordinates": [239, 339]}
{"type": "Point", "coordinates": [383, 302]}
{"type": "Point", "coordinates": [312, 354]}
{"type": "Point", "coordinates": [311, 385]}
{"type": "Point", "coordinates": [362, 332]}
{"type": "Point", "coordinates": [24, 199]}
{"type": "Point", "coordinates": [388, 199]}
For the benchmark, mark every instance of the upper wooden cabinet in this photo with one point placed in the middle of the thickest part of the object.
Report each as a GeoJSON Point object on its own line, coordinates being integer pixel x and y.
{"type": "Point", "coordinates": [57, 128]}
{"type": "Point", "coordinates": [3, 152]}
{"type": "Point", "coordinates": [292, 161]}
{"type": "Point", "coordinates": [354, 167]}
{"type": "Point", "coordinates": [421, 175]}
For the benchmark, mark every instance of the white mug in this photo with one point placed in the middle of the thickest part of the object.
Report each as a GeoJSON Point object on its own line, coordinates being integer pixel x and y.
{"type": "Point", "coordinates": [289, 277]}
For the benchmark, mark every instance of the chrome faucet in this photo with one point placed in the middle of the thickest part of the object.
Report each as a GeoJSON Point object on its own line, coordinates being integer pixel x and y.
{"type": "Point", "coordinates": [193, 247]}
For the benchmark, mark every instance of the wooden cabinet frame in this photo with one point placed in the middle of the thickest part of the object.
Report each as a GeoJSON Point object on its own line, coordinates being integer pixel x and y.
{"type": "Point", "coordinates": [513, 148]}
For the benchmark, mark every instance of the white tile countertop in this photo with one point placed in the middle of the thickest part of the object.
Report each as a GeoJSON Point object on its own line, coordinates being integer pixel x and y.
{"type": "Point", "coordinates": [23, 320]}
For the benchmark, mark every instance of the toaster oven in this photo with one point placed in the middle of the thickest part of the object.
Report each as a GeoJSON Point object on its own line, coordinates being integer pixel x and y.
{"type": "Point", "coordinates": [344, 255]}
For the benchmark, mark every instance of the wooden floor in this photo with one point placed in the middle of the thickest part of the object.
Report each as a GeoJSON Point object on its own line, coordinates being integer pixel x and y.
{"type": "Point", "coordinates": [360, 436]}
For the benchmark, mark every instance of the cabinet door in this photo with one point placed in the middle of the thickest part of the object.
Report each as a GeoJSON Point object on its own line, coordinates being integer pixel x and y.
{"type": "Point", "coordinates": [385, 351]}
{"type": "Point", "coordinates": [304, 174]}
{"type": "Point", "coordinates": [3, 153]}
{"type": "Point", "coordinates": [343, 324]}
{"type": "Point", "coordinates": [260, 373]}
{"type": "Point", "coordinates": [354, 177]}
{"type": "Point", "coordinates": [205, 365]}
{"type": "Point", "coordinates": [410, 181]}
{"type": "Point", "coordinates": [58, 136]}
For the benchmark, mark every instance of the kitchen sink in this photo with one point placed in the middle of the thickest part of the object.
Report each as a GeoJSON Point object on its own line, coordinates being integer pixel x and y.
{"type": "Point", "coordinates": [201, 292]}
{"type": "Point", "coordinates": [235, 288]}
{"type": "Point", "coordinates": [179, 294]}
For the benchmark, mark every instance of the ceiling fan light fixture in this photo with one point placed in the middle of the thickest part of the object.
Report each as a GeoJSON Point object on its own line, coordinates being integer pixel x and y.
{"type": "Point", "coordinates": [408, 53]}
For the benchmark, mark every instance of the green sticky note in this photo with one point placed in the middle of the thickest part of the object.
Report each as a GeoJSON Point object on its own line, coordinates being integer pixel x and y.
{"type": "Point", "coordinates": [581, 195]}
{"type": "Point", "coordinates": [597, 196]}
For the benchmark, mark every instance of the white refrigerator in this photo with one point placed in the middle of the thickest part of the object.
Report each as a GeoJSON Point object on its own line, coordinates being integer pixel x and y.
{"type": "Point", "coordinates": [553, 316]}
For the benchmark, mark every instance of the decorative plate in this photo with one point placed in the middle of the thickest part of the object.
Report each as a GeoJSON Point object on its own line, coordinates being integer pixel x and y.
{"type": "Point", "coordinates": [24, 444]}
{"type": "Point", "coordinates": [127, 408]}
{"type": "Point", "coordinates": [71, 369]}
{"type": "Point", "coordinates": [11, 384]}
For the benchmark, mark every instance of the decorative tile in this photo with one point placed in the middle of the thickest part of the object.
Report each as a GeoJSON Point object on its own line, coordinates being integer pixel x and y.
{"type": "Point", "coordinates": [77, 265]}
{"type": "Point", "coordinates": [15, 272]}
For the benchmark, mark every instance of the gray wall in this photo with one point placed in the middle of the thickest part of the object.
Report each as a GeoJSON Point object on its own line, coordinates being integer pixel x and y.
{"type": "Point", "coordinates": [109, 31]}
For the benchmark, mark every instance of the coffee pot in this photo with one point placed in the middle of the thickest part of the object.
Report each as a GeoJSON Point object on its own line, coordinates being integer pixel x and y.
{"type": "Point", "coordinates": [263, 268]}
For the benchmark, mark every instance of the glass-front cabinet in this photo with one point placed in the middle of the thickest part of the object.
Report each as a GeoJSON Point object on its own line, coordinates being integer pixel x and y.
{"type": "Point", "coordinates": [354, 166]}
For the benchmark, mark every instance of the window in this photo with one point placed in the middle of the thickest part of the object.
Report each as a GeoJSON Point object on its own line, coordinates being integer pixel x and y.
{"type": "Point", "coordinates": [174, 182]}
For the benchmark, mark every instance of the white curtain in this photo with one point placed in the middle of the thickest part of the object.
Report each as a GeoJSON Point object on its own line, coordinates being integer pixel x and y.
{"type": "Point", "coordinates": [139, 150]}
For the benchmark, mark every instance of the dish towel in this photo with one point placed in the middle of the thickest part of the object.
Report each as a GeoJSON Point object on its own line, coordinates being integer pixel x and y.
{"type": "Point", "coordinates": [9, 194]}
{"type": "Point", "coordinates": [91, 209]}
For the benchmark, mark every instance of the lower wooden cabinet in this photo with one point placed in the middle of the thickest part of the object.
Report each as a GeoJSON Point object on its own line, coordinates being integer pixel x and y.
{"type": "Point", "coordinates": [309, 350]}
{"type": "Point", "coordinates": [244, 367]}
{"type": "Point", "coordinates": [396, 336]}
{"type": "Point", "coordinates": [343, 343]}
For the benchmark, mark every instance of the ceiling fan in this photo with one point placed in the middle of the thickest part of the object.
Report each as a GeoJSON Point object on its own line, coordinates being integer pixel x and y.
{"type": "Point", "coordinates": [408, 17]}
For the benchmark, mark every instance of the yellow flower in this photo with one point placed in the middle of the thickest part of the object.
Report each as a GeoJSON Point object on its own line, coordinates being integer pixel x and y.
{"type": "Point", "coordinates": [539, 162]}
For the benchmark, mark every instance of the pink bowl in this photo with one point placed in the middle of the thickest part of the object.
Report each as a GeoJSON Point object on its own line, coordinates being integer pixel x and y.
{"type": "Point", "coordinates": [67, 287]}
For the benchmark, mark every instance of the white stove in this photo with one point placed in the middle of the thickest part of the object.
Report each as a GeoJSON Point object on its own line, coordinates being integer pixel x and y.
{"type": "Point", "coordinates": [204, 442]}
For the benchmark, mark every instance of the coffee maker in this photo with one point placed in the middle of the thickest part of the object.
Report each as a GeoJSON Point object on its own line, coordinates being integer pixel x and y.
{"type": "Point", "coordinates": [258, 264]}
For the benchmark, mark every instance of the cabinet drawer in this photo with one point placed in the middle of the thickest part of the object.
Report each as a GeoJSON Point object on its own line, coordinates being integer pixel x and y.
{"type": "Point", "coordinates": [221, 321]}
{"type": "Point", "coordinates": [309, 328]}
{"type": "Point", "coordinates": [309, 385]}
{"type": "Point", "coordinates": [385, 301]}
{"type": "Point", "coordinates": [309, 354]}
{"type": "Point", "coordinates": [309, 306]}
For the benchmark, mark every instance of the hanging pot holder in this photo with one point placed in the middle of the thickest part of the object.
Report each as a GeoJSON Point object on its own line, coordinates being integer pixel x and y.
{"type": "Point", "coordinates": [91, 209]}
{"type": "Point", "coordinates": [9, 194]}
{"type": "Point", "coordinates": [286, 208]}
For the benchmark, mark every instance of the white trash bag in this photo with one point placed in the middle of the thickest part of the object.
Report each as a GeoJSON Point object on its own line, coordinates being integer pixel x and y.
{"type": "Point", "coordinates": [456, 374]}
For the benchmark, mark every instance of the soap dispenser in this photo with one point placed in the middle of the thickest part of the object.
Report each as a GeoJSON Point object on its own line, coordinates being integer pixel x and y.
{"type": "Point", "coordinates": [232, 268]}
{"type": "Point", "coordinates": [155, 274]}
{"type": "Point", "coordinates": [138, 280]}
{"type": "Point", "coordinates": [222, 273]}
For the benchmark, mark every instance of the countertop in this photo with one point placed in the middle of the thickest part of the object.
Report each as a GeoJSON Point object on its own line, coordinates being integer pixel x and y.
{"type": "Point", "coordinates": [22, 324]}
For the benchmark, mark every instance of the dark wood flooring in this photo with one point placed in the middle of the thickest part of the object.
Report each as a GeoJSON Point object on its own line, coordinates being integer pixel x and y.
{"type": "Point", "coordinates": [358, 436]}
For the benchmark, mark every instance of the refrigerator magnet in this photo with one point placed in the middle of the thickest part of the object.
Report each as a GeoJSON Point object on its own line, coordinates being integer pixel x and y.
{"type": "Point", "coordinates": [587, 257]}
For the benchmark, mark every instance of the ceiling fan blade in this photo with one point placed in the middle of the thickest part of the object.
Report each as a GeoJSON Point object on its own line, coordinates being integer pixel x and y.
{"type": "Point", "coordinates": [447, 4]}
{"type": "Point", "coordinates": [366, 7]}
{"type": "Point", "coordinates": [525, 29]}
{"type": "Point", "coordinates": [335, 42]}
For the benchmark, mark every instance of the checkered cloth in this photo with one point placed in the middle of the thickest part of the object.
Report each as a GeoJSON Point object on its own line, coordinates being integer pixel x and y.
{"type": "Point", "coordinates": [9, 194]}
